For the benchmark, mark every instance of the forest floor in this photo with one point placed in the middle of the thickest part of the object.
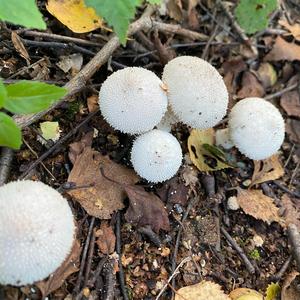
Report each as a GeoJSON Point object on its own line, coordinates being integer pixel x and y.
{"type": "Point", "coordinates": [188, 232]}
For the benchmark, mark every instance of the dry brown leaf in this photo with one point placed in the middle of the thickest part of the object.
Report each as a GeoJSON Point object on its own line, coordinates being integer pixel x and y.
{"type": "Point", "coordinates": [192, 15]}
{"type": "Point", "coordinates": [146, 209]}
{"type": "Point", "coordinates": [245, 292]}
{"type": "Point", "coordinates": [251, 87]}
{"type": "Point", "coordinates": [259, 206]}
{"type": "Point", "coordinates": [205, 290]}
{"type": "Point", "coordinates": [69, 266]}
{"type": "Point", "coordinates": [293, 130]}
{"type": "Point", "coordinates": [106, 239]}
{"type": "Point", "coordinates": [266, 170]}
{"type": "Point", "coordinates": [267, 75]}
{"type": "Point", "coordinates": [290, 102]}
{"type": "Point", "coordinates": [175, 10]}
{"type": "Point", "coordinates": [92, 103]}
{"type": "Point", "coordinates": [75, 15]}
{"type": "Point", "coordinates": [72, 62]}
{"type": "Point", "coordinates": [104, 196]}
{"type": "Point", "coordinates": [291, 213]}
{"type": "Point", "coordinates": [290, 287]}
{"type": "Point", "coordinates": [293, 29]}
{"type": "Point", "coordinates": [283, 50]}
{"type": "Point", "coordinates": [19, 46]}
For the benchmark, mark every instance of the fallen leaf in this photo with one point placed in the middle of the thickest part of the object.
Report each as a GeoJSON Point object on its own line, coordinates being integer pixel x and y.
{"type": "Point", "coordinates": [71, 63]}
{"type": "Point", "coordinates": [50, 130]}
{"type": "Point", "coordinates": [205, 290]}
{"type": "Point", "coordinates": [294, 29]}
{"type": "Point", "coordinates": [192, 15]}
{"type": "Point", "coordinates": [174, 8]}
{"type": "Point", "coordinates": [291, 212]}
{"type": "Point", "coordinates": [106, 239]}
{"type": "Point", "coordinates": [41, 71]}
{"type": "Point", "coordinates": [266, 170]}
{"type": "Point", "coordinates": [293, 130]}
{"type": "Point", "coordinates": [146, 209]}
{"type": "Point", "coordinates": [267, 75]}
{"type": "Point", "coordinates": [290, 287]}
{"type": "Point", "coordinates": [283, 50]}
{"type": "Point", "coordinates": [245, 294]}
{"type": "Point", "coordinates": [104, 196]}
{"type": "Point", "coordinates": [272, 291]}
{"type": "Point", "coordinates": [251, 87]}
{"type": "Point", "coordinates": [204, 155]}
{"type": "Point", "coordinates": [19, 46]}
{"type": "Point", "coordinates": [69, 266]}
{"type": "Point", "coordinates": [290, 102]}
{"type": "Point", "coordinates": [75, 15]}
{"type": "Point", "coordinates": [259, 206]}
{"type": "Point", "coordinates": [92, 103]}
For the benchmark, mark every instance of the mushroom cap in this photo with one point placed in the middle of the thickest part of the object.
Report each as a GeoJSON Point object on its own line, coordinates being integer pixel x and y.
{"type": "Point", "coordinates": [156, 155]}
{"type": "Point", "coordinates": [132, 100]}
{"type": "Point", "coordinates": [36, 231]}
{"type": "Point", "coordinates": [256, 128]}
{"type": "Point", "coordinates": [196, 91]}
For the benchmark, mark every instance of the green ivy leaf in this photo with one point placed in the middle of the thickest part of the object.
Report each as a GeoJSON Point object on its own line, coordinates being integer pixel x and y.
{"type": "Point", "coordinates": [10, 133]}
{"type": "Point", "coordinates": [22, 12]}
{"type": "Point", "coordinates": [252, 15]}
{"type": "Point", "coordinates": [3, 93]}
{"type": "Point", "coordinates": [26, 97]}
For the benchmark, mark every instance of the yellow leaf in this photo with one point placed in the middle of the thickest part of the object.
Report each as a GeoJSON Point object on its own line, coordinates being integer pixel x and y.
{"type": "Point", "coordinates": [204, 155]}
{"type": "Point", "coordinates": [205, 290]}
{"type": "Point", "coordinates": [50, 130]}
{"type": "Point", "coordinates": [245, 294]}
{"type": "Point", "coordinates": [75, 15]}
{"type": "Point", "coordinates": [272, 291]}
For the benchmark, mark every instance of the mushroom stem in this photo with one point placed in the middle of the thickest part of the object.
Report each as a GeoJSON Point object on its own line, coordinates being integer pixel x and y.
{"type": "Point", "coordinates": [223, 138]}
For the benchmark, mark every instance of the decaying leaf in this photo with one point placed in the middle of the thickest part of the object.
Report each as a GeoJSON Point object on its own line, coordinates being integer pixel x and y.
{"type": "Point", "coordinates": [19, 46]}
{"type": "Point", "coordinates": [251, 87]}
{"type": "Point", "coordinates": [294, 29]}
{"type": "Point", "coordinates": [291, 213]}
{"type": "Point", "coordinates": [174, 8]}
{"type": "Point", "coordinates": [204, 155]}
{"type": "Point", "coordinates": [266, 170]}
{"type": "Point", "coordinates": [146, 209]}
{"type": "Point", "coordinates": [259, 206]}
{"type": "Point", "coordinates": [50, 130]}
{"type": "Point", "coordinates": [75, 15]}
{"type": "Point", "coordinates": [267, 75]}
{"type": "Point", "coordinates": [293, 130]}
{"type": "Point", "coordinates": [106, 239]}
{"type": "Point", "coordinates": [205, 290]}
{"type": "Point", "coordinates": [71, 63]}
{"type": "Point", "coordinates": [69, 266]}
{"type": "Point", "coordinates": [290, 290]}
{"type": "Point", "coordinates": [283, 50]}
{"type": "Point", "coordinates": [104, 196]}
{"type": "Point", "coordinates": [272, 291]}
{"type": "Point", "coordinates": [92, 103]}
{"type": "Point", "coordinates": [290, 102]}
{"type": "Point", "coordinates": [245, 294]}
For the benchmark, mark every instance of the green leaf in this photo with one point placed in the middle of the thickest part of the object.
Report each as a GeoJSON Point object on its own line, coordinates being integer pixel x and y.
{"type": "Point", "coordinates": [26, 97]}
{"type": "Point", "coordinates": [252, 15]}
{"type": "Point", "coordinates": [154, 1]}
{"type": "Point", "coordinates": [22, 12]}
{"type": "Point", "coordinates": [10, 133]}
{"type": "Point", "coordinates": [3, 93]}
{"type": "Point", "coordinates": [117, 13]}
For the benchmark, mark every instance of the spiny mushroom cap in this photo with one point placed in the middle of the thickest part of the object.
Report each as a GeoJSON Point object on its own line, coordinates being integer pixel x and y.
{"type": "Point", "coordinates": [132, 100]}
{"type": "Point", "coordinates": [196, 91]}
{"type": "Point", "coordinates": [36, 231]}
{"type": "Point", "coordinates": [156, 155]}
{"type": "Point", "coordinates": [256, 128]}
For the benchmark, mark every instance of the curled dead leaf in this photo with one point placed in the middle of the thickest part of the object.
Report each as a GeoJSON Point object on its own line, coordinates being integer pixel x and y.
{"type": "Point", "coordinates": [290, 102]}
{"type": "Point", "coordinates": [106, 239]}
{"type": "Point", "coordinates": [251, 87]}
{"type": "Point", "coordinates": [19, 46]}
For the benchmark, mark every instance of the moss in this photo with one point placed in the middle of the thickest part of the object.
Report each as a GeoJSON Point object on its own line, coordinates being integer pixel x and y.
{"type": "Point", "coordinates": [254, 254]}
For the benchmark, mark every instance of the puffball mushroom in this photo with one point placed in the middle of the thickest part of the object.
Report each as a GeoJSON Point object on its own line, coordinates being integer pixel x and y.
{"type": "Point", "coordinates": [196, 91]}
{"type": "Point", "coordinates": [156, 155]}
{"type": "Point", "coordinates": [223, 138]}
{"type": "Point", "coordinates": [256, 128]}
{"type": "Point", "coordinates": [133, 100]}
{"type": "Point", "coordinates": [36, 231]}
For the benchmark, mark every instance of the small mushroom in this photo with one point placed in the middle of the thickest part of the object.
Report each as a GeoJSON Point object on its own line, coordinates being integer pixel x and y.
{"type": "Point", "coordinates": [133, 100]}
{"type": "Point", "coordinates": [156, 155]}
{"type": "Point", "coordinates": [36, 231]}
{"type": "Point", "coordinates": [196, 91]}
{"type": "Point", "coordinates": [256, 128]}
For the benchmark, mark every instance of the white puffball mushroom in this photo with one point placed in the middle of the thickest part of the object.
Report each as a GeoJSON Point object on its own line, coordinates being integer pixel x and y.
{"type": "Point", "coordinates": [196, 91]}
{"type": "Point", "coordinates": [36, 231]}
{"type": "Point", "coordinates": [156, 155]}
{"type": "Point", "coordinates": [223, 138]}
{"type": "Point", "coordinates": [133, 100]}
{"type": "Point", "coordinates": [256, 128]}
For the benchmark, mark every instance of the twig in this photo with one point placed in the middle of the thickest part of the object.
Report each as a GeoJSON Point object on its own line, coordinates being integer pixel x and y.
{"type": "Point", "coordinates": [174, 273]}
{"type": "Point", "coordinates": [7, 155]}
{"type": "Point", "coordinates": [89, 259]}
{"type": "Point", "coordinates": [110, 281]}
{"type": "Point", "coordinates": [294, 238]}
{"type": "Point", "coordinates": [212, 37]}
{"type": "Point", "coordinates": [146, 230]}
{"type": "Point", "coordinates": [239, 250]}
{"type": "Point", "coordinates": [283, 91]}
{"type": "Point", "coordinates": [84, 254]}
{"type": "Point", "coordinates": [98, 271]}
{"type": "Point", "coordinates": [285, 189]}
{"type": "Point", "coordinates": [282, 270]}
{"type": "Point", "coordinates": [56, 145]}
{"type": "Point", "coordinates": [119, 251]}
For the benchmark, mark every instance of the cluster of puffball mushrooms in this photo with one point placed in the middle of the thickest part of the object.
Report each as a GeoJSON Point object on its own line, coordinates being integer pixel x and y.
{"type": "Point", "coordinates": [134, 101]}
{"type": "Point", "coordinates": [36, 223]}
